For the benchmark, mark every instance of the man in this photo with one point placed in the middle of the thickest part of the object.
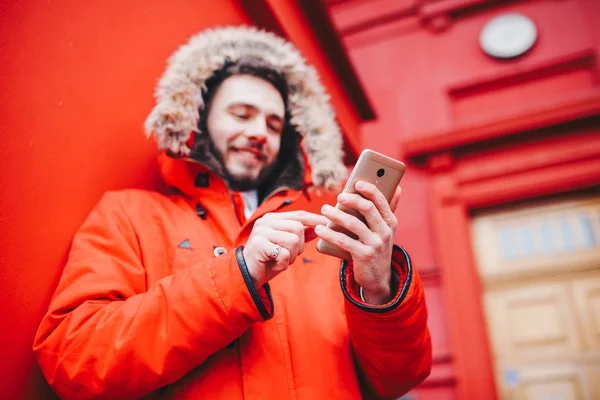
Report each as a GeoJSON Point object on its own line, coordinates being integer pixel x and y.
{"type": "Point", "coordinates": [217, 290]}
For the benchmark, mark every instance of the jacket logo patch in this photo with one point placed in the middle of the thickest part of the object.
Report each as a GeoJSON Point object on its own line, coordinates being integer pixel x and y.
{"type": "Point", "coordinates": [185, 245]}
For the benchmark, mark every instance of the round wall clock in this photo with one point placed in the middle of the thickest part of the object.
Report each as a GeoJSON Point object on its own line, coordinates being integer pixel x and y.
{"type": "Point", "coordinates": [508, 35]}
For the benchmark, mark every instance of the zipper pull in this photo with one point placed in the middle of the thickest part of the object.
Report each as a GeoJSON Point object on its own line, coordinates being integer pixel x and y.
{"type": "Point", "coordinates": [201, 211]}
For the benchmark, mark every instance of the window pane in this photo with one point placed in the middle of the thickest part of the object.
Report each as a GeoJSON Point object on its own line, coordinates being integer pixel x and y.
{"type": "Point", "coordinates": [566, 234]}
{"type": "Point", "coordinates": [587, 230]}
{"type": "Point", "coordinates": [507, 248]}
{"type": "Point", "coordinates": [547, 242]}
{"type": "Point", "coordinates": [527, 241]}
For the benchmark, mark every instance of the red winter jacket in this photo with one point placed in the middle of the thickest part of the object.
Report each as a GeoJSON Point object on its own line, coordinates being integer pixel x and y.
{"type": "Point", "coordinates": [155, 301]}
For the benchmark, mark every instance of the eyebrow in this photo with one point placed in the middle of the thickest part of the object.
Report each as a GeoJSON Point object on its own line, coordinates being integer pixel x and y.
{"type": "Point", "coordinates": [253, 107]}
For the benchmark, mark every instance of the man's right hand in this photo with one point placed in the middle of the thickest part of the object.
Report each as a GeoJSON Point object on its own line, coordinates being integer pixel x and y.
{"type": "Point", "coordinates": [290, 230]}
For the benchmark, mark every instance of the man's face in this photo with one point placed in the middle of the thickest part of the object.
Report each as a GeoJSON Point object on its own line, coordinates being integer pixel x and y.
{"type": "Point", "coordinates": [245, 123]}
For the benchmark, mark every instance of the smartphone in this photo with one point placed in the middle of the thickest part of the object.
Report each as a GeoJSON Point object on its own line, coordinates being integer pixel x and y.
{"type": "Point", "coordinates": [376, 168]}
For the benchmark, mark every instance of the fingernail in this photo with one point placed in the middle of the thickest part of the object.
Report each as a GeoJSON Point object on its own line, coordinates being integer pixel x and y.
{"type": "Point", "coordinates": [326, 208]}
{"type": "Point", "coordinates": [318, 228]}
{"type": "Point", "coordinates": [361, 185]}
{"type": "Point", "coordinates": [343, 197]}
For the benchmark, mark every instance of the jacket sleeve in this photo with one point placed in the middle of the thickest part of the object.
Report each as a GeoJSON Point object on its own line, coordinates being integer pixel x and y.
{"type": "Point", "coordinates": [108, 335]}
{"type": "Point", "coordinates": [391, 342]}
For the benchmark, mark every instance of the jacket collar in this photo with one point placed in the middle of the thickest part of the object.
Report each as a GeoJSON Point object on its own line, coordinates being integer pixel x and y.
{"type": "Point", "coordinates": [196, 180]}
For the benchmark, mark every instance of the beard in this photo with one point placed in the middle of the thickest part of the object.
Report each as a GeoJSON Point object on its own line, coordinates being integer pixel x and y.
{"type": "Point", "coordinates": [244, 181]}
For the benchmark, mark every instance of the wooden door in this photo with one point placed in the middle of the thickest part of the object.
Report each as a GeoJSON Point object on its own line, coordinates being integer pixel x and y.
{"type": "Point", "coordinates": [539, 265]}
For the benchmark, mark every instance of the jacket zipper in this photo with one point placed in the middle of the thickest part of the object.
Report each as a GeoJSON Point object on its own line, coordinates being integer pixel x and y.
{"type": "Point", "coordinates": [224, 182]}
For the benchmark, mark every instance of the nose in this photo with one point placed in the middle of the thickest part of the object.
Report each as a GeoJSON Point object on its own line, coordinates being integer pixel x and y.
{"type": "Point", "coordinates": [256, 131]}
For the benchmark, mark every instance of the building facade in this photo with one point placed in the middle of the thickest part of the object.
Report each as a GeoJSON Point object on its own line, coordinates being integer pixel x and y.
{"type": "Point", "coordinates": [495, 106]}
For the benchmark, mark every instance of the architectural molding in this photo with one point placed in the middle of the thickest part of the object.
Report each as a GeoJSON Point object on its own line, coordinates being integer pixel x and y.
{"type": "Point", "coordinates": [580, 106]}
{"type": "Point", "coordinates": [354, 17]}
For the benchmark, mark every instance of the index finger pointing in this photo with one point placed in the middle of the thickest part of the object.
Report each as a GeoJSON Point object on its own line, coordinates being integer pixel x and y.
{"type": "Point", "coordinates": [305, 217]}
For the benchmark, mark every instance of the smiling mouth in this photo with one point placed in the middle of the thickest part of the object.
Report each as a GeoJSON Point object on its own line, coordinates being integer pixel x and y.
{"type": "Point", "coordinates": [249, 150]}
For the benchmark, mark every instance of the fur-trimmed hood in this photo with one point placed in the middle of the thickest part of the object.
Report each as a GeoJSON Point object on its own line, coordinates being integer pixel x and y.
{"type": "Point", "coordinates": [179, 96]}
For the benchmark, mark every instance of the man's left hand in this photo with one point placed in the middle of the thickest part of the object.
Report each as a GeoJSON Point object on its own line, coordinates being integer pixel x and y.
{"type": "Point", "coordinates": [372, 251]}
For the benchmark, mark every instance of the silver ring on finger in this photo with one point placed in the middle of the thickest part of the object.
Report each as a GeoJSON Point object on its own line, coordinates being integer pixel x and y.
{"type": "Point", "coordinates": [275, 253]}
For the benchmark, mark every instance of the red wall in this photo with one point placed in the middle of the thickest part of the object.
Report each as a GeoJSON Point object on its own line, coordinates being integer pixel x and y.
{"type": "Point", "coordinates": [422, 67]}
{"type": "Point", "coordinates": [77, 80]}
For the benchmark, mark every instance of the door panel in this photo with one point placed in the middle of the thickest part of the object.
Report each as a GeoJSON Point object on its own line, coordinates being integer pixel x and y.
{"type": "Point", "coordinates": [539, 266]}
{"type": "Point", "coordinates": [554, 382]}
{"type": "Point", "coordinates": [532, 320]}
{"type": "Point", "coordinates": [594, 378]}
{"type": "Point", "coordinates": [587, 300]}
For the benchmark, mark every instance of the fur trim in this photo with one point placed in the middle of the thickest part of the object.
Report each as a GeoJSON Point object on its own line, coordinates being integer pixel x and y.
{"type": "Point", "coordinates": [179, 100]}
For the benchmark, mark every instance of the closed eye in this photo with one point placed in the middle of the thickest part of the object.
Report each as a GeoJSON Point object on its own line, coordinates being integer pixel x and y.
{"type": "Point", "coordinates": [245, 112]}
{"type": "Point", "coordinates": [243, 117]}
{"type": "Point", "coordinates": [275, 127]}
{"type": "Point", "coordinates": [242, 112]}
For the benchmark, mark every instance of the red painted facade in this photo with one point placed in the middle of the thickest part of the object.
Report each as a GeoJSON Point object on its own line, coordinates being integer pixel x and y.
{"type": "Point", "coordinates": [477, 131]}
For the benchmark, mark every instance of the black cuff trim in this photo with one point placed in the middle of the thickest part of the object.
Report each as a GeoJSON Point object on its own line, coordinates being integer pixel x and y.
{"type": "Point", "coordinates": [264, 313]}
{"type": "Point", "coordinates": [380, 309]}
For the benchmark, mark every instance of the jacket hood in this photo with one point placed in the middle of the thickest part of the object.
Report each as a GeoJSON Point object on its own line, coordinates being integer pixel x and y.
{"type": "Point", "coordinates": [179, 102]}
